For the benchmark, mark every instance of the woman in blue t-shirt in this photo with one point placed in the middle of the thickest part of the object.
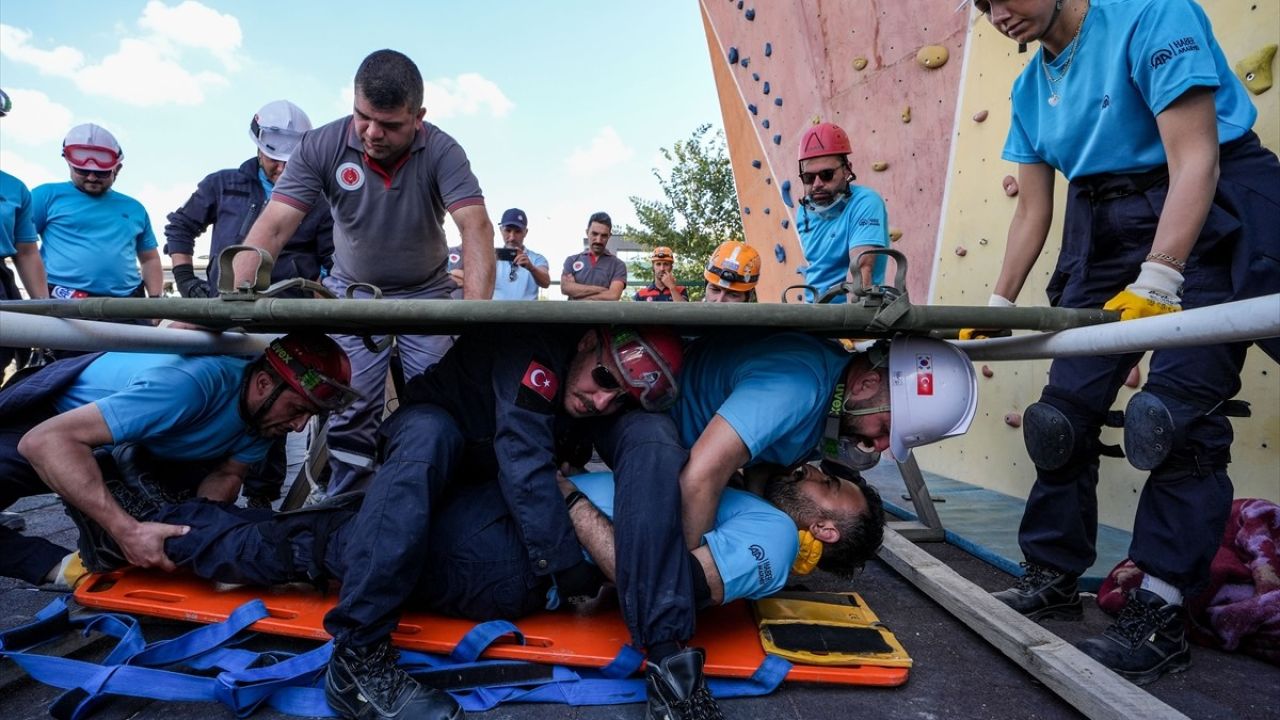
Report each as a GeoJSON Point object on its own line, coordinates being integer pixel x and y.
{"type": "Point", "coordinates": [1172, 203]}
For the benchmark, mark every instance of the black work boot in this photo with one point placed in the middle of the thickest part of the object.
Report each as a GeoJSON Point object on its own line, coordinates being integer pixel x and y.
{"type": "Point", "coordinates": [1044, 594]}
{"type": "Point", "coordinates": [1148, 640]}
{"type": "Point", "coordinates": [677, 689]}
{"type": "Point", "coordinates": [98, 550]}
{"type": "Point", "coordinates": [364, 683]}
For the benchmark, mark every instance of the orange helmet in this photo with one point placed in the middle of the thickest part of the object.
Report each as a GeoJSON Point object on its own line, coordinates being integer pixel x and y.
{"type": "Point", "coordinates": [734, 265]}
{"type": "Point", "coordinates": [824, 139]}
{"type": "Point", "coordinates": [315, 366]}
{"type": "Point", "coordinates": [662, 252]}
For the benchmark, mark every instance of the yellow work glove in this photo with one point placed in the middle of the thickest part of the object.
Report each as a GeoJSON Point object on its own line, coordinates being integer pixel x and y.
{"type": "Point", "coordinates": [808, 555]}
{"type": "Point", "coordinates": [983, 334]}
{"type": "Point", "coordinates": [1157, 291]}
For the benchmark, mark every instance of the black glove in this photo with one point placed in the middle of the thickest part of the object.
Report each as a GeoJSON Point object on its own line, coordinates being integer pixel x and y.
{"type": "Point", "coordinates": [581, 580]}
{"type": "Point", "coordinates": [189, 286]}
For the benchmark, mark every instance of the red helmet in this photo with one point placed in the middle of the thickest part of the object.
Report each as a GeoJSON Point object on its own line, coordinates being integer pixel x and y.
{"type": "Point", "coordinates": [650, 359]}
{"type": "Point", "coordinates": [824, 139]}
{"type": "Point", "coordinates": [315, 366]}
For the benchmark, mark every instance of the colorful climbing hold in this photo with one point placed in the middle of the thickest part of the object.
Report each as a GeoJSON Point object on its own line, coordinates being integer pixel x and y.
{"type": "Point", "coordinates": [777, 101]}
{"type": "Point", "coordinates": [765, 123]}
{"type": "Point", "coordinates": [766, 87]}
{"type": "Point", "coordinates": [1134, 379]}
{"type": "Point", "coordinates": [751, 14]}
{"type": "Point", "coordinates": [1013, 419]}
{"type": "Point", "coordinates": [766, 211]}
{"type": "Point", "coordinates": [755, 164]}
{"type": "Point", "coordinates": [746, 210]}
{"type": "Point", "coordinates": [786, 194]}
{"type": "Point", "coordinates": [987, 371]}
{"type": "Point", "coordinates": [880, 165]}
{"type": "Point", "coordinates": [1010, 185]}
{"type": "Point", "coordinates": [895, 234]}
{"type": "Point", "coordinates": [801, 269]}
{"type": "Point", "coordinates": [755, 76]}
{"type": "Point", "coordinates": [859, 63]}
{"type": "Point", "coordinates": [768, 49]}
{"type": "Point", "coordinates": [961, 251]}
{"type": "Point", "coordinates": [780, 252]}
{"type": "Point", "coordinates": [906, 114]}
{"type": "Point", "coordinates": [786, 224]}
{"type": "Point", "coordinates": [768, 181]}
{"type": "Point", "coordinates": [744, 61]}
{"type": "Point", "coordinates": [1255, 69]}
{"type": "Point", "coordinates": [777, 139]}
{"type": "Point", "coordinates": [933, 56]}
{"type": "Point", "coordinates": [733, 55]}
{"type": "Point", "coordinates": [752, 109]}
{"type": "Point", "coordinates": [980, 116]}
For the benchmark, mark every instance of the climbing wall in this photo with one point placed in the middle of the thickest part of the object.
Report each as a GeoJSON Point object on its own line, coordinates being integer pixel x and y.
{"type": "Point", "coordinates": [855, 63]}
{"type": "Point", "coordinates": [781, 67]}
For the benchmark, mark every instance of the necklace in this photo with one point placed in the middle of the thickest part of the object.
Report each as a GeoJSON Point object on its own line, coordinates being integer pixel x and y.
{"type": "Point", "coordinates": [1054, 98]}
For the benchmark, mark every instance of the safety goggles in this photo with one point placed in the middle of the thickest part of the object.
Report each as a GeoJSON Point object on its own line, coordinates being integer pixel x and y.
{"type": "Point", "coordinates": [646, 377]}
{"type": "Point", "coordinates": [319, 389]}
{"type": "Point", "coordinates": [91, 157]}
{"type": "Point", "coordinates": [826, 175]}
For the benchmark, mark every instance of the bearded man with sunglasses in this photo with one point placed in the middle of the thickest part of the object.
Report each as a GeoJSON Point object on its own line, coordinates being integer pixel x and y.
{"type": "Point", "coordinates": [95, 239]}
{"type": "Point", "coordinates": [837, 220]}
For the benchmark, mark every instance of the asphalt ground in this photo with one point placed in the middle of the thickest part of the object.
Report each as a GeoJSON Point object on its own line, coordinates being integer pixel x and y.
{"type": "Point", "coordinates": [957, 675]}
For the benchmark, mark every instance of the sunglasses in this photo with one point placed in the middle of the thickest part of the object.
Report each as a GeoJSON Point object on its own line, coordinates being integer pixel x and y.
{"type": "Point", "coordinates": [827, 175]}
{"type": "Point", "coordinates": [91, 173]}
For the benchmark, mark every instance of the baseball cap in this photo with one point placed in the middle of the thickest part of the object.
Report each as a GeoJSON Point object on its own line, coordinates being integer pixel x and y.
{"type": "Point", "coordinates": [514, 216]}
{"type": "Point", "coordinates": [277, 129]}
{"type": "Point", "coordinates": [91, 147]}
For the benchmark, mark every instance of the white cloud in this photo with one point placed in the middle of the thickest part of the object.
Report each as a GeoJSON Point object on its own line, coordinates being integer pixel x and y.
{"type": "Point", "coordinates": [30, 173]}
{"type": "Point", "coordinates": [605, 151]}
{"type": "Point", "coordinates": [191, 24]}
{"type": "Point", "coordinates": [467, 94]}
{"type": "Point", "coordinates": [61, 61]}
{"type": "Point", "coordinates": [160, 201]}
{"type": "Point", "coordinates": [146, 70]}
{"type": "Point", "coordinates": [35, 118]}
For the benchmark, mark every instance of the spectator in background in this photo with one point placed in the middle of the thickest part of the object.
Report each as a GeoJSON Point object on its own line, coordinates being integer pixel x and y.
{"type": "Point", "coordinates": [664, 287]}
{"type": "Point", "coordinates": [594, 273]}
{"type": "Point", "coordinates": [732, 273]}
{"type": "Point", "coordinates": [231, 199]}
{"type": "Point", "coordinates": [520, 271]}
{"type": "Point", "coordinates": [95, 239]}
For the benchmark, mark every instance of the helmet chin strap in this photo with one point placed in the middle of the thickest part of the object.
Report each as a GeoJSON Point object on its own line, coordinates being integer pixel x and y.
{"type": "Point", "coordinates": [1057, 10]}
{"type": "Point", "coordinates": [253, 418]}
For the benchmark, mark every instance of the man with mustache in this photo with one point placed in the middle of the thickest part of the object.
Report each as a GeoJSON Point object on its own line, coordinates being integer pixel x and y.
{"type": "Point", "coordinates": [594, 273]}
{"type": "Point", "coordinates": [837, 220]}
{"type": "Point", "coordinates": [219, 413]}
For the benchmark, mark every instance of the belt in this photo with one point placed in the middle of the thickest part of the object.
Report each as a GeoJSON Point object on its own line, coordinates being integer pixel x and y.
{"type": "Point", "coordinates": [1109, 186]}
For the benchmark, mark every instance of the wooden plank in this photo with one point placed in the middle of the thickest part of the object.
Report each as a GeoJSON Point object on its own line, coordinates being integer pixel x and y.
{"type": "Point", "coordinates": [1079, 679]}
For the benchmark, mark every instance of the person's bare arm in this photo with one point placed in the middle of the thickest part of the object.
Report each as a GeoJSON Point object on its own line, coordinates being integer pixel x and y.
{"type": "Point", "coordinates": [181, 259]}
{"type": "Point", "coordinates": [609, 294]}
{"type": "Point", "coordinates": [570, 287]}
{"type": "Point", "coordinates": [541, 275]}
{"type": "Point", "coordinates": [1189, 131]}
{"type": "Point", "coordinates": [477, 251]}
{"type": "Point", "coordinates": [152, 272]}
{"type": "Point", "coordinates": [31, 271]}
{"type": "Point", "coordinates": [715, 456]}
{"type": "Point", "coordinates": [272, 230]}
{"type": "Point", "coordinates": [864, 265]}
{"type": "Point", "coordinates": [223, 484]}
{"type": "Point", "coordinates": [1028, 230]}
{"type": "Point", "coordinates": [61, 451]}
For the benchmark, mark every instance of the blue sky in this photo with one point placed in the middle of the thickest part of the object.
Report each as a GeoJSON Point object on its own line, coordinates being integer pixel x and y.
{"type": "Point", "coordinates": [561, 106]}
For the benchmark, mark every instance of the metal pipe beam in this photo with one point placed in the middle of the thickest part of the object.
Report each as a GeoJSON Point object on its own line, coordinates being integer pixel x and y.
{"type": "Point", "coordinates": [21, 330]}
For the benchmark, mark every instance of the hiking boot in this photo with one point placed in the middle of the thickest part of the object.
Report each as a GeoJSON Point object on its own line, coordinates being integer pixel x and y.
{"type": "Point", "coordinates": [1044, 594]}
{"type": "Point", "coordinates": [98, 550]}
{"type": "Point", "coordinates": [1148, 640]}
{"type": "Point", "coordinates": [677, 689]}
{"type": "Point", "coordinates": [364, 683]}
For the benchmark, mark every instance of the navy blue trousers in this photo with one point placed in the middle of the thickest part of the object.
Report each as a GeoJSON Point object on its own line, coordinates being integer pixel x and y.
{"type": "Point", "coordinates": [473, 563]}
{"type": "Point", "coordinates": [1185, 502]}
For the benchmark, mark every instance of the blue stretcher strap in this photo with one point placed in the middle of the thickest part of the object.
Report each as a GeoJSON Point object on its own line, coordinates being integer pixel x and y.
{"type": "Point", "coordinates": [202, 639]}
{"type": "Point", "coordinates": [625, 664]}
{"type": "Point", "coordinates": [480, 637]}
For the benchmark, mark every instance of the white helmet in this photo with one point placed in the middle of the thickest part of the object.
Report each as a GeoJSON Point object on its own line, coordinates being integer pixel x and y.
{"type": "Point", "coordinates": [933, 393]}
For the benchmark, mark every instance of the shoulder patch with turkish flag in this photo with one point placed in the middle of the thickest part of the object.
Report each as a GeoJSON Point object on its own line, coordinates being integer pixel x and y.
{"type": "Point", "coordinates": [539, 388]}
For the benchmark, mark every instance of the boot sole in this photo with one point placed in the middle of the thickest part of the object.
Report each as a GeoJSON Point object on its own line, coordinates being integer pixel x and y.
{"type": "Point", "coordinates": [1072, 612]}
{"type": "Point", "coordinates": [1175, 663]}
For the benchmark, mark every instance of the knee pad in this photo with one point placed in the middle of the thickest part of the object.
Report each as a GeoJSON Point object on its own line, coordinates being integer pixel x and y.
{"type": "Point", "coordinates": [1049, 435]}
{"type": "Point", "coordinates": [1149, 431]}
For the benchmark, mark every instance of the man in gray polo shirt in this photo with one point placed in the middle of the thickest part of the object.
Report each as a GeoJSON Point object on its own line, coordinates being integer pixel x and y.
{"type": "Point", "coordinates": [594, 273]}
{"type": "Point", "coordinates": [389, 179]}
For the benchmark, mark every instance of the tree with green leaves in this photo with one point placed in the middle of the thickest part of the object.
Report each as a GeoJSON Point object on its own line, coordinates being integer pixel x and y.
{"type": "Point", "coordinates": [700, 210]}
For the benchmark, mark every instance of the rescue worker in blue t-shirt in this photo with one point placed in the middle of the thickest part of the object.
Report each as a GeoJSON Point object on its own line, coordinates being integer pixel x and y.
{"type": "Point", "coordinates": [94, 239]}
{"type": "Point", "coordinates": [17, 241]}
{"type": "Point", "coordinates": [837, 220]}
{"type": "Point", "coordinates": [216, 413]}
{"type": "Point", "coordinates": [784, 398]}
{"type": "Point", "coordinates": [1172, 203]}
{"type": "Point", "coordinates": [230, 200]}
